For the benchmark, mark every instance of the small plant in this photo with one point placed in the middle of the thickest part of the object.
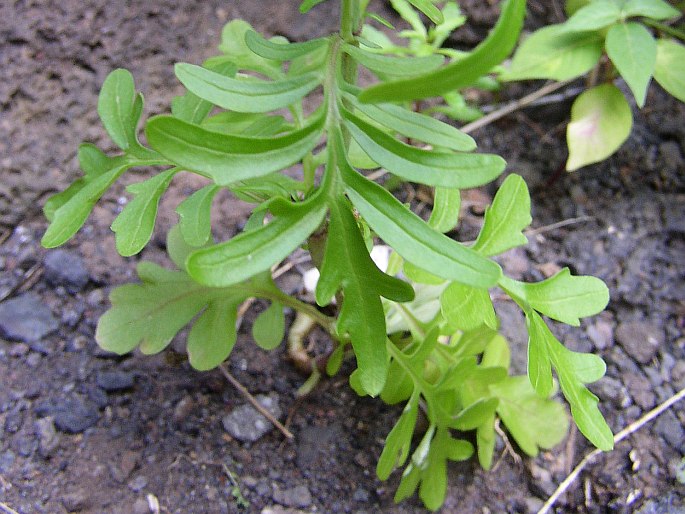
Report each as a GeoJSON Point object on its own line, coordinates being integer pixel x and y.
{"type": "Point", "coordinates": [423, 332]}
{"type": "Point", "coordinates": [605, 38]}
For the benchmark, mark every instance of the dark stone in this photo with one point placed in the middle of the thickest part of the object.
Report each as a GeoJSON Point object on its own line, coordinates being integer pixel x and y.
{"type": "Point", "coordinates": [25, 445]}
{"type": "Point", "coordinates": [246, 424]}
{"type": "Point", "coordinates": [112, 381]}
{"type": "Point", "coordinates": [48, 439]}
{"type": "Point", "coordinates": [640, 339]}
{"type": "Point", "coordinates": [65, 268]}
{"type": "Point", "coordinates": [669, 427]}
{"type": "Point", "coordinates": [76, 501]}
{"type": "Point", "coordinates": [25, 318]}
{"type": "Point", "coordinates": [7, 458]}
{"type": "Point", "coordinates": [298, 497]}
{"type": "Point", "coordinates": [73, 416]}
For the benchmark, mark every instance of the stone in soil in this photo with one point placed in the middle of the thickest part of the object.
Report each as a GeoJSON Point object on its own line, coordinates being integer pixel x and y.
{"type": "Point", "coordinates": [25, 318]}
{"type": "Point", "coordinates": [113, 381]}
{"type": "Point", "coordinates": [76, 501]}
{"type": "Point", "coordinates": [297, 497]}
{"type": "Point", "coordinates": [640, 339]}
{"type": "Point", "coordinates": [246, 424]}
{"type": "Point", "coordinates": [48, 439]}
{"type": "Point", "coordinates": [74, 415]}
{"type": "Point", "coordinates": [65, 268]}
{"type": "Point", "coordinates": [669, 427]}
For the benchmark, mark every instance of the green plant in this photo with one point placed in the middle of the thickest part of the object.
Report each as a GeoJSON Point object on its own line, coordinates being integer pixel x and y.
{"type": "Point", "coordinates": [241, 123]}
{"type": "Point", "coordinates": [607, 38]}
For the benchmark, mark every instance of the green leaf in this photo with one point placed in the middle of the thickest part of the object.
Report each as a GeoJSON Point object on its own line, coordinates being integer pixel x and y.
{"type": "Point", "coordinates": [453, 170]}
{"type": "Point", "coordinates": [505, 219]}
{"type": "Point", "coordinates": [594, 16]}
{"type": "Point", "coordinates": [151, 313]}
{"type": "Point", "coordinates": [654, 9]}
{"type": "Point", "coordinates": [93, 161]}
{"type": "Point", "coordinates": [534, 422]}
{"type": "Point", "coordinates": [195, 215]}
{"type": "Point", "coordinates": [281, 51]}
{"type": "Point", "coordinates": [347, 265]}
{"type": "Point", "coordinates": [69, 217]}
{"type": "Point", "coordinates": [563, 297]}
{"type": "Point", "coordinates": [461, 73]}
{"type": "Point", "coordinates": [497, 353]}
{"type": "Point", "coordinates": [213, 335]}
{"type": "Point", "coordinates": [632, 49]}
{"type": "Point", "coordinates": [485, 443]}
{"type": "Point", "coordinates": [387, 66]}
{"type": "Point", "coordinates": [573, 371]}
{"type": "Point", "coordinates": [408, 14]}
{"type": "Point", "coordinates": [453, 19]}
{"type": "Point", "coordinates": [252, 252]}
{"type": "Point", "coordinates": [430, 10]}
{"type": "Point", "coordinates": [418, 126]}
{"type": "Point", "coordinates": [446, 208]}
{"type": "Point", "coordinates": [225, 158]}
{"type": "Point", "coordinates": [309, 4]}
{"type": "Point", "coordinates": [237, 52]}
{"type": "Point", "coordinates": [414, 240]}
{"type": "Point", "coordinates": [539, 366]}
{"type": "Point", "coordinates": [669, 71]}
{"type": "Point", "coordinates": [398, 442]}
{"type": "Point", "coordinates": [258, 190]}
{"type": "Point", "coordinates": [467, 308]}
{"type": "Point", "coordinates": [134, 225]}
{"type": "Point", "coordinates": [192, 108]}
{"type": "Point", "coordinates": [117, 108]}
{"type": "Point", "coordinates": [244, 95]}
{"type": "Point", "coordinates": [245, 124]}
{"type": "Point", "coordinates": [269, 327]}
{"type": "Point", "coordinates": [554, 53]}
{"type": "Point", "coordinates": [475, 414]}
{"type": "Point", "coordinates": [601, 121]}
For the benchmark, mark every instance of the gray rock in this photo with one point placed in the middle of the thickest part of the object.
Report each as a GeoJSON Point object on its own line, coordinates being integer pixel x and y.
{"type": "Point", "coordinates": [669, 427]}
{"type": "Point", "coordinates": [25, 445]}
{"type": "Point", "coordinates": [7, 458]}
{"type": "Point", "coordinates": [640, 389]}
{"type": "Point", "coordinates": [74, 415]}
{"type": "Point", "coordinates": [297, 497]}
{"type": "Point", "coordinates": [112, 381]}
{"type": "Point", "coordinates": [48, 439]}
{"type": "Point", "coordinates": [601, 334]}
{"type": "Point", "coordinates": [25, 318]}
{"type": "Point", "coordinates": [246, 424]}
{"type": "Point", "coordinates": [640, 339]}
{"type": "Point", "coordinates": [138, 483]}
{"type": "Point", "coordinates": [76, 501]}
{"type": "Point", "coordinates": [65, 268]}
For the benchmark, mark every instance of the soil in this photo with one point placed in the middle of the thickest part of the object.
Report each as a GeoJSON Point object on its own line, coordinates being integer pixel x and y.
{"type": "Point", "coordinates": [83, 431]}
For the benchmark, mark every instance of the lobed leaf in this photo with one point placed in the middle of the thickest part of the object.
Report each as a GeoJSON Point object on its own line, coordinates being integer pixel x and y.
{"type": "Point", "coordinates": [505, 219]}
{"type": "Point", "coordinates": [226, 158]}
{"type": "Point", "coordinates": [268, 328]}
{"type": "Point", "coordinates": [413, 239]}
{"type": "Point", "coordinates": [601, 121]}
{"type": "Point", "coordinates": [493, 50]}
{"type": "Point", "coordinates": [195, 215]}
{"type": "Point", "coordinates": [252, 252]}
{"type": "Point", "coordinates": [214, 334]}
{"type": "Point", "coordinates": [453, 170]}
{"type": "Point", "coordinates": [398, 442]}
{"type": "Point", "coordinates": [467, 308]}
{"type": "Point", "coordinates": [134, 225]}
{"type": "Point", "coordinates": [244, 95]}
{"type": "Point", "coordinates": [632, 49]}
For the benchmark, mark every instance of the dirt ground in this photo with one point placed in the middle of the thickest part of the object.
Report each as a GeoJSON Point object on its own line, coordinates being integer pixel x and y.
{"type": "Point", "coordinates": [81, 431]}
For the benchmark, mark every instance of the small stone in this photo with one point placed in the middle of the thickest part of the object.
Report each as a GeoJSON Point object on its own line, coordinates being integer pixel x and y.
{"type": "Point", "coordinates": [361, 495]}
{"type": "Point", "coordinates": [246, 424]}
{"type": "Point", "coordinates": [113, 381]}
{"type": "Point", "coordinates": [26, 446]}
{"type": "Point", "coordinates": [601, 334]}
{"type": "Point", "coordinates": [75, 501]}
{"type": "Point", "coordinates": [65, 268]}
{"type": "Point", "coordinates": [141, 507]}
{"type": "Point", "coordinates": [297, 497]}
{"type": "Point", "coordinates": [48, 439]}
{"type": "Point", "coordinates": [96, 298]}
{"type": "Point", "coordinates": [129, 461]}
{"type": "Point", "coordinates": [138, 483]}
{"type": "Point", "coordinates": [18, 350]}
{"type": "Point", "coordinates": [25, 318]}
{"type": "Point", "coordinates": [640, 389]}
{"type": "Point", "coordinates": [640, 339]}
{"type": "Point", "coordinates": [183, 409]}
{"type": "Point", "coordinates": [533, 504]}
{"type": "Point", "coordinates": [669, 427]}
{"type": "Point", "coordinates": [7, 458]}
{"type": "Point", "coordinates": [33, 360]}
{"type": "Point", "coordinates": [73, 416]}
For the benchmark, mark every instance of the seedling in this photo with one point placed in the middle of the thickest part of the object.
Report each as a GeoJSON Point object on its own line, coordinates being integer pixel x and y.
{"type": "Point", "coordinates": [423, 332]}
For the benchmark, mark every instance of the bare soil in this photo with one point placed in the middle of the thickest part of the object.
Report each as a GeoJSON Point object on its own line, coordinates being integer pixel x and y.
{"type": "Point", "coordinates": [81, 431]}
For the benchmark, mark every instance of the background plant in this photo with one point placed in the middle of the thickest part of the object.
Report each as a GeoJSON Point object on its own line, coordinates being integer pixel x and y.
{"type": "Point", "coordinates": [241, 123]}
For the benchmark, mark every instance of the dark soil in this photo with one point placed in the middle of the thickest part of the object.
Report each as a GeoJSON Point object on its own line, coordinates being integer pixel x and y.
{"type": "Point", "coordinates": [81, 431]}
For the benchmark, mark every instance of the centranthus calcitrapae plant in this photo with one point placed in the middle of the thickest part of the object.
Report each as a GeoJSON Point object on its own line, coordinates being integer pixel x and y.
{"type": "Point", "coordinates": [424, 331]}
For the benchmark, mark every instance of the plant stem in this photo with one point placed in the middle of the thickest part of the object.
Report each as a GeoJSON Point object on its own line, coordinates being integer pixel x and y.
{"type": "Point", "coordinates": [348, 20]}
{"type": "Point", "coordinates": [326, 322]}
{"type": "Point", "coordinates": [666, 29]}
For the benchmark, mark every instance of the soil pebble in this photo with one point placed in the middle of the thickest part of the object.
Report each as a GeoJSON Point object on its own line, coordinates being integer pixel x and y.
{"type": "Point", "coordinates": [48, 439]}
{"type": "Point", "coordinates": [246, 424]}
{"type": "Point", "coordinates": [113, 381]}
{"type": "Point", "coordinates": [65, 268]}
{"type": "Point", "coordinates": [75, 501]}
{"type": "Point", "coordinates": [640, 339]}
{"type": "Point", "coordinates": [74, 415]}
{"type": "Point", "coordinates": [298, 497]}
{"type": "Point", "coordinates": [25, 318]}
{"type": "Point", "coordinates": [671, 429]}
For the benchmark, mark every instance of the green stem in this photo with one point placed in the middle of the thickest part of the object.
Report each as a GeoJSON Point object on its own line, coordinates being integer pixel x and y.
{"type": "Point", "coordinates": [666, 29]}
{"type": "Point", "coordinates": [326, 322]}
{"type": "Point", "coordinates": [348, 20]}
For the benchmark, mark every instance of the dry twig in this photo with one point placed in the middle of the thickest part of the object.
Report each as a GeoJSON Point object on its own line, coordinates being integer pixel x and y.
{"type": "Point", "coordinates": [630, 429]}
{"type": "Point", "coordinates": [253, 401]}
{"type": "Point", "coordinates": [7, 510]}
